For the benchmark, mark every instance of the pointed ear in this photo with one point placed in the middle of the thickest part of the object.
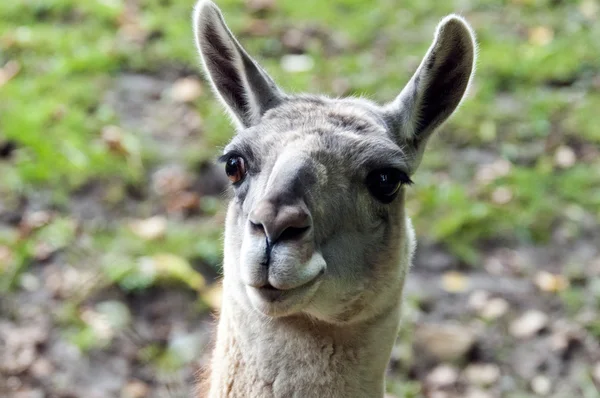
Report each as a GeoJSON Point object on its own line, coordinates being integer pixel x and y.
{"type": "Point", "coordinates": [437, 87]}
{"type": "Point", "coordinates": [242, 85]}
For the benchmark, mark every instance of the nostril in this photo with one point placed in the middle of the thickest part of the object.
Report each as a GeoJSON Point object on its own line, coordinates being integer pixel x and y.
{"type": "Point", "coordinates": [257, 227]}
{"type": "Point", "coordinates": [291, 233]}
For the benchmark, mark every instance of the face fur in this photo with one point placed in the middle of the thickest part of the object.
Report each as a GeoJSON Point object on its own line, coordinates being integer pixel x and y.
{"type": "Point", "coordinates": [316, 221]}
{"type": "Point", "coordinates": [322, 155]}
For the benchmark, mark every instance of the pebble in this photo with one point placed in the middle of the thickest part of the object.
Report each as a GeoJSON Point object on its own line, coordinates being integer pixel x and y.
{"type": "Point", "coordinates": [482, 374]}
{"type": "Point", "coordinates": [541, 385]}
{"type": "Point", "coordinates": [296, 63]}
{"type": "Point", "coordinates": [446, 342]}
{"type": "Point", "coordinates": [443, 376]}
{"type": "Point", "coordinates": [529, 324]}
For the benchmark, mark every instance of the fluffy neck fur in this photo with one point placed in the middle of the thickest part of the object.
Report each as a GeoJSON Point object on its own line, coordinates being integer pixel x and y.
{"type": "Point", "coordinates": [260, 357]}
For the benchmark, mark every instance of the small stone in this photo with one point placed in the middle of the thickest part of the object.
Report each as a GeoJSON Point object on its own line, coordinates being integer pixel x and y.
{"type": "Point", "coordinates": [483, 374]}
{"type": "Point", "coordinates": [473, 392]}
{"type": "Point", "coordinates": [443, 376]}
{"type": "Point", "coordinates": [564, 157]}
{"type": "Point", "coordinates": [42, 368]}
{"type": "Point", "coordinates": [149, 229]}
{"type": "Point", "coordinates": [446, 342]}
{"type": "Point", "coordinates": [135, 389]}
{"type": "Point", "coordinates": [596, 372]}
{"type": "Point", "coordinates": [185, 90]}
{"type": "Point", "coordinates": [502, 195]}
{"type": "Point", "coordinates": [30, 282]}
{"type": "Point", "coordinates": [296, 63]}
{"type": "Point", "coordinates": [494, 308]}
{"type": "Point", "coordinates": [528, 324]}
{"type": "Point", "coordinates": [541, 385]}
{"type": "Point", "coordinates": [29, 393]}
{"type": "Point", "coordinates": [478, 299]}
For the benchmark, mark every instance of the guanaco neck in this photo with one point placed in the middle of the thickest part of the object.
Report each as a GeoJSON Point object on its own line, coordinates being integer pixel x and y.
{"type": "Point", "coordinates": [256, 356]}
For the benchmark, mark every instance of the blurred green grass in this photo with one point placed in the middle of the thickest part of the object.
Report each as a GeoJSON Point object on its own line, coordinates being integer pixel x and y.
{"type": "Point", "coordinates": [532, 112]}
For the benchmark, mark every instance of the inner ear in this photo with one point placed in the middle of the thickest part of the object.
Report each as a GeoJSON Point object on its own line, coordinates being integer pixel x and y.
{"type": "Point", "coordinates": [437, 87]}
{"type": "Point", "coordinates": [243, 86]}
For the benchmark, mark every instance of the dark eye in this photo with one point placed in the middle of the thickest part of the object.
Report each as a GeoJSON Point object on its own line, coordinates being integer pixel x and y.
{"type": "Point", "coordinates": [384, 184]}
{"type": "Point", "coordinates": [235, 168]}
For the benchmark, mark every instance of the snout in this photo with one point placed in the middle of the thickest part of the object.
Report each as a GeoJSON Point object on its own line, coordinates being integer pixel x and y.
{"type": "Point", "coordinates": [279, 249]}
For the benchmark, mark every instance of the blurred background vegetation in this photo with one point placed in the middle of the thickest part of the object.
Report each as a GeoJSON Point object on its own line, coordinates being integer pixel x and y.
{"type": "Point", "coordinates": [111, 208]}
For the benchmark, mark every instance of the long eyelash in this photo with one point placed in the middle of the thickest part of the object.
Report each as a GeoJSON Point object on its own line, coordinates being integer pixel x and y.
{"type": "Point", "coordinates": [405, 179]}
{"type": "Point", "coordinates": [225, 157]}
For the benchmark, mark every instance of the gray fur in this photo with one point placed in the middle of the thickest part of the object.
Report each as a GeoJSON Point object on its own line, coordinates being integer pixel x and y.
{"type": "Point", "coordinates": [344, 265]}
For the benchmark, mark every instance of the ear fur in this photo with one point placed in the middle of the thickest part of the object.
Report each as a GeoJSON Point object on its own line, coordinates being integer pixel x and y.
{"type": "Point", "coordinates": [438, 86]}
{"type": "Point", "coordinates": [241, 84]}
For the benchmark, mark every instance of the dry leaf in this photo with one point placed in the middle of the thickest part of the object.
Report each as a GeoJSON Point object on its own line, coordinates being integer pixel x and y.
{"type": "Point", "coordinates": [112, 136]}
{"type": "Point", "coordinates": [213, 295]}
{"type": "Point", "coordinates": [260, 5]}
{"type": "Point", "coordinates": [548, 282]}
{"type": "Point", "coordinates": [170, 180]}
{"type": "Point", "coordinates": [6, 257]}
{"type": "Point", "coordinates": [454, 282]}
{"type": "Point", "coordinates": [8, 71]}
{"type": "Point", "coordinates": [183, 201]}
{"type": "Point", "coordinates": [541, 35]}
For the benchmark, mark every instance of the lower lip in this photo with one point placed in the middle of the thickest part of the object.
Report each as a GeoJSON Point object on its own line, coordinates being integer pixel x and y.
{"type": "Point", "coordinates": [273, 295]}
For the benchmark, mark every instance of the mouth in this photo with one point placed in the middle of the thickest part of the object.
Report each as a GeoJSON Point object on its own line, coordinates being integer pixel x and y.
{"type": "Point", "coordinates": [278, 302]}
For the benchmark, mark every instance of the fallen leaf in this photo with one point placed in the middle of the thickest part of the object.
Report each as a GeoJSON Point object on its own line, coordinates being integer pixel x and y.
{"type": "Point", "coordinates": [548, 282]}
{"type": "Point", "coordinates": [183, 201]}
{"type": "Point", "coordinates": [454, 282]}
{"type": "Point", "coordinates": [170, 180]}
{"type": "Point", "coordinates": [8, 71]}
{"type": "Point", "coordinates": [6, 257]}
{"type": "Point", "coordinates": [260, 5]}
{"type": "Point", "coordinates": [213, 295]}
{"type": "Point", "coordinates": [112, 136]}
{"type": "Point", "coordinates": [541, 35]}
